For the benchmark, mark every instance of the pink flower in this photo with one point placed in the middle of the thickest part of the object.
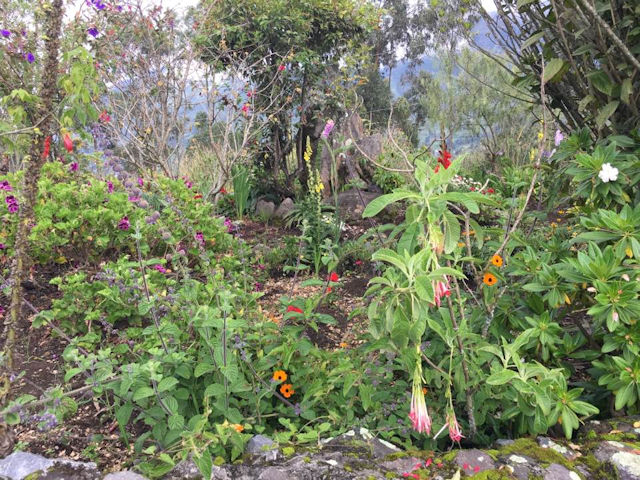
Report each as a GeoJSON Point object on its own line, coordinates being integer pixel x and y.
{"type": "Point", "coordinates": [124, 224]}
{"type": "Point", "coordinates": [109, 187]}
{"type": "Point", "coordinates": [104, 117]}
{"type": "Point", "coordinates": [558, 138]}
{"type": "Point", "coordinates": [419, 415]}
{"type": "Point", "coordinates": [140, 181]}
{"type": "Point", "coordinates": [428, 462]}
{"type": "Point", "coordinates": [454, 428]}
{"type": "Point", "coordinates": [245, 109]}
{"type": "Point", "coordinates": [327, 129]}
{"type": "Point", "coordinates": [73, 166]}
{"type": "Point", "coordinates": [441, 289]}
{"type": "Point", "coordinates": [465, 466]}
{"type": "Point", "coordinates": [476, 469]}
{"type": "Point", "coordinates": [281, 67]}
{"type": "Point", "coordinates": [200, 238]}
{"type": "Point", "coordinates": [160, 268]}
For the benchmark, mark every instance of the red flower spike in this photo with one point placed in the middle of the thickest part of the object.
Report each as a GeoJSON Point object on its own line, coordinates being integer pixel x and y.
{"type": "Point", "coordinates": [68, 143]}
{"type": "Point", "coordinates": [444, 159]}
{"type": "Point", "coordinates": [291, 308]}
{"type": "Point", "coordinates": [47, 147]}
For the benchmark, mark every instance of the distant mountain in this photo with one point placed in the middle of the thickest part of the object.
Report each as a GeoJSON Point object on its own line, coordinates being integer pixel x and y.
{"type": "Point", "coordinates": [399, 83]}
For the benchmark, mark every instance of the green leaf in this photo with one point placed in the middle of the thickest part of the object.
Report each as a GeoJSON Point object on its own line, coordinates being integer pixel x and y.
{"type": "Point", "coordinates": [451, 232]}
{"type": "Point", "coordinates": [203, 368]}
{"type": "Point", "coordinates": [500, 378]}
{"type": "Point", "coordinates": [605, 112]}
{"type": "Point", "coordinates": [377, 204]}
{"type": "Point", "coordinates": [176, 422]}
{"type": "Point", "coordinates": [389, 256]}
{"type": "Point", "coordinates": [167, 384]}
{"type": "Point", "coordinates": [626, 90]}
{"type": "Point", "coordinates": [552, 69]}
{"type": "Point", "coordinates": [143, 392]}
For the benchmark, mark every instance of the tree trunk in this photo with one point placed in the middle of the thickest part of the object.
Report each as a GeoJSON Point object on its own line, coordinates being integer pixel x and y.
{"type": "Point", "coordinates": [29, 187]}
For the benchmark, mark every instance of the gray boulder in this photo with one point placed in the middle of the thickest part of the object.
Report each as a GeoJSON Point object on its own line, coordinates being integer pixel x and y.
{"type": "Point", "coordinates": [265, 209]}
{"type": "Point", "coordinates": [263, 448]}
{"type": "Point", "coordinates": [18, 465]}
{"type": "Point", "coordinates": [284, 208]}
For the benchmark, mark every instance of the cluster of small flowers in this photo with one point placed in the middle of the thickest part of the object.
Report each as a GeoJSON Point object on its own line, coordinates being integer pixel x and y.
{"type": "Point", "coordinates": [46, 421]}
{"type": "Point", "coordinates": [466, 183]}
{"type": "Point", "coordinates": [17, 45]}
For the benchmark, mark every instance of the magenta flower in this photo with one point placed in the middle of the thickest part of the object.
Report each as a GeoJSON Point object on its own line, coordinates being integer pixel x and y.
{"type": "Point", "coordinates": [29, 57]}
{"type": "Point", "coordinates": [327, 129]}
{"type": "Point", "coordinates": [140, 181]}
{"type": "Point", "coordinates": [160, 268]}
{"type": "Point", "coordinates": [200, 238]}
{"type": "Point", "coordinates": [109, 186]}
{"type": "Point", "coordinates": [441, 289]}
{"type": "Point", "coordinates": [73, 166]}
{"type": "Point", "coordinates": [419, 415]}
{"type": "Point", "coordinates": [5, 185]}
{"type": "Point", "coordinates": [124, 224]}
{"type": "Point", "coordinates": [455, 433]}
{"type": "Point", "coordinates": [187, 182]}
{"type": "Point", "coordinates": [3, 246]}
{"type": "Point", "coordinates": [134, 198]}
{"type": "Point", "coordinates": [12, 203]}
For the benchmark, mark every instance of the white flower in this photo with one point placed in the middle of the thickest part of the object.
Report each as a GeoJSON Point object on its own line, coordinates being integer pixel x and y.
{"type": "Point", "coordinates": [608, 173]}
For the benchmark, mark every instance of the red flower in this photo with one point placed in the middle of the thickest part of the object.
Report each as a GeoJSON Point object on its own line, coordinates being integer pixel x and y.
{"type": "Point", "coordinates": [334, 277]}
{"type": "Point", "coordinates": [476, 469]}
{"type": "Point", "coordinates": [223, 191]}
{"type": "Point", "coordinates": [47, 147]}
{"type": "Point", "coordinates": [196, 197]}
{"type": "Point", "coordinates": [104, 117]}
{"type": "Point", "coordinates": [281, 67]}
{"type": "Point", "coordinates": [68, 143]}
{"type": "Point", "coordinates": [291, 308]}
{"type": "Point", "coordinates": [490, 190]}
{"type": "Point", "coordinates": [444, 159]}
{"type": "Point", "coordinates": [329, 289]}
{"type": "Point", "coordinates": [245, 109]}
{"type": "Point", "coordinates": [473, 189]}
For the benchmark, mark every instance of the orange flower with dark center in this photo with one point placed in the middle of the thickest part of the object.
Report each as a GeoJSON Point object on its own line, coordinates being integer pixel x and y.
{"type": "Point", "coordinates": [497, 260]}
{"type": "Point", "coordinates": [237, 427]}
{"type": "Point", "coordinates": [489, 279]}
{"type": "Point", "coordinates": [279, 376]}
{"type": "Point", "coordinates": [287, 390]}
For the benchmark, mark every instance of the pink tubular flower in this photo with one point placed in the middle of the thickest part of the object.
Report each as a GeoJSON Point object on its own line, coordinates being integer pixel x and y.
{"type": "Point", "coordinates": [124, 224]}
{"type": "Point", "coordinates": [455, 433]}
{"type": "Point", "coordinates": [327, 129]}
{"type": "Point", "coordinates": [419, 415]}
{"type": "Point", "coordinates": [200, 238]}
{"type": "Point", "coordinates": [68, 143]}
{"type": "Point", "coordinates": [109, 186]}
{"type": "Point", "coordinates": [441, 289]}
{"type": "Point", "coordinates": [73, 166]}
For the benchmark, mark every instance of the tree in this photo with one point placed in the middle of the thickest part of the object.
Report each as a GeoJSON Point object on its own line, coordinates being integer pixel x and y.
{"type": "Point", "coordinates": [589, 56]}
{"type": "Point", "coordinates": [295, 46]}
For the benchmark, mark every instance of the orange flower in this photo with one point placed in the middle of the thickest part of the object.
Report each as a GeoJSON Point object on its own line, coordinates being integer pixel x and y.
{"type": "Point", "coordinates": [424, 390]}
{"type": "Point", "coordinates": [237, 427]}
{"type": "Point", "coordinates": [286, 390]}
{"type": "Point", "coordinates": [344, 344]}
{"type": "Point", "coordinates": [279, 376]}
{"type": "Point", "coordinates": [489, 279]}
{"type": "Point", "coordinates": [497, 260]}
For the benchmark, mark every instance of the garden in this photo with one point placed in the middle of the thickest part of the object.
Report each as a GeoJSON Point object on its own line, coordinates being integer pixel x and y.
{"type": "Point", "coordinates": [288, 221]}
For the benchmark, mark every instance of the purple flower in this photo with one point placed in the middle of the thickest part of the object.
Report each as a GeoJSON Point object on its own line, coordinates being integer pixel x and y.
{"type": "Point", "coordinates": [200, 238]}
{"type": "Point", "coordinates": [140, 181]}
{"type": "Point", "coordinates": [187, 182]}
{"type": "Point", "coordinates": [258, 287]}
{"type": "Point", "coordinates": [93, 31]}
{"type": "Point", "coordinates": [5, 33]}
{"type": "Point", "coordinates": [2, 247]}
{"type": "Point", "coordinates": [5, 185]}
{"type": "Point", "coordinates": [29, 57]}
{"type": "Point", "coordinates": [559, 137]}
{"type": "Point", "coordinates": [134, 198]}
{"type": "Point", "coordinates": [109, 187]}
{"type": "Point", "coordinates": [124, 224]}
{"type": "Point", "coordinates": [261, 266]}
{"type": "Point", "coordinates": [12, 203]}
{"type": "Point", "coordinates": [73, 166]}
{"type": "Point", "coordinates": [327, 129]}
{"type": "Point", "coordinates": [160, 268]}
{"type": "Point", "coordinates": [229, 225]}
{"type": "Point", "coordinates": [96, 3]}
